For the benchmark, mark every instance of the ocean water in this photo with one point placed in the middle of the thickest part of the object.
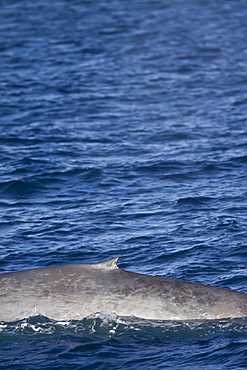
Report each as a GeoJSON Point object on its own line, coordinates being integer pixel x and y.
{"type": "Point", "coordinates": [124, 134]}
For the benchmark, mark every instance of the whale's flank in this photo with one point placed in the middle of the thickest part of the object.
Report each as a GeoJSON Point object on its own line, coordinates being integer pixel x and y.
{"type": "Point", "coordinates": [76, 291]}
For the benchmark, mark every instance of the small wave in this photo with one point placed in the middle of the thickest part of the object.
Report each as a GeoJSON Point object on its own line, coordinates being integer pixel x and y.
{"type": "Point", "coordinates": [240, 159]}
{"type": "Point", "coordinates": [18, 188]}
{"type": "Point", "coordinates": [114, 326]}
{"type": "Point", "coordinates": [160, 167]}
{"type": "Point", "coordinates": [194, 202]}
{"type": "Point", "coordinates": [87, 174]}
{"type": "Point", "coordinates": [96, 323]}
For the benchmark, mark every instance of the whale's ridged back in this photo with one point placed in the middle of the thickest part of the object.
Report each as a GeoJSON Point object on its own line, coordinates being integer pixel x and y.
{"type": "Point", "coordinates": [75, 291]}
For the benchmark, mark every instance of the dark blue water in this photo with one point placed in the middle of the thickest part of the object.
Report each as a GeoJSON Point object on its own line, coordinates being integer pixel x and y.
{"type": "Point", "coordinates": [124, 133]}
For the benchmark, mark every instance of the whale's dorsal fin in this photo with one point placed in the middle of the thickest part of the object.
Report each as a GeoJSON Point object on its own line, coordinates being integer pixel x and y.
{"type": "Point", "coordinates": [106, 265]}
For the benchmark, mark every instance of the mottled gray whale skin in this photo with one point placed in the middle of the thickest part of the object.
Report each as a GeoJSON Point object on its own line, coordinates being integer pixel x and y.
{"type": "Point", "coordinates": [76, 291]}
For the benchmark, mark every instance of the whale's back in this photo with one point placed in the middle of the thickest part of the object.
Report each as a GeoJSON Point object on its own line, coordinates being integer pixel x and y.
{"type": "Point", "coordinates": [76, 291]}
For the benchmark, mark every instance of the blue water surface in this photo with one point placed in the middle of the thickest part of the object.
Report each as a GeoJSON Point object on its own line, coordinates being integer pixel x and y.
{"type": "Point", "coordinates": [124, 133]}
